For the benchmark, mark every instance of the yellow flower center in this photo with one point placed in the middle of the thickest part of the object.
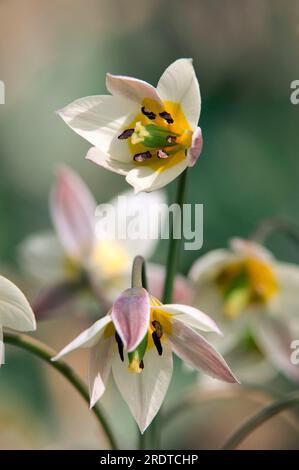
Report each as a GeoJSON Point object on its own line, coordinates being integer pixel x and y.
{"type": "Point", "coordinates": [111, 258]}
{"type": "Point", "coordinates": [246, 283]}
{"type": "Point", "coordinates": [158, 137]}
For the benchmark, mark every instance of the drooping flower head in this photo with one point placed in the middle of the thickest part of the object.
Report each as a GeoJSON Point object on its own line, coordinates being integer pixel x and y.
{"type": "Point", "coordinates": [136, 340]}
{"type": "Point", "coordinates": [246, 289]}
{"type": "Point", "coordinates": [81, 245]}
{"type": "Point", "coordinates": [148, 134]}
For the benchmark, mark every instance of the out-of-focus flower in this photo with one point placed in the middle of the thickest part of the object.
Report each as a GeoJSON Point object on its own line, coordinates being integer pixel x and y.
{"type": "Point", "coordinates": [247, 290]}
{"type": "Point", "coordinates": [15, 311]}
{"type": "Point", "coordinates": [136, 340]}
{"type": "Point", "coordinates": [78, 255]}
{"type": "Point", "coordinates": [148, 134]}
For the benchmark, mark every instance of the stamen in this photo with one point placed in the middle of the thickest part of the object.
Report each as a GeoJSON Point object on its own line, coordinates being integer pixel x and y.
{"type": "Point", "coordinates": [156, 335]}
{"type": "Point", "coordinates": [120, 346]}
{"type": "Point", "coordinates": [165, 115]}
{"type": "Point", "coordinates": [157, 343]}
{"type": "Point", "coordinates": [142, 157]}
{"type": "Point", "coordinates": [171, 139]}
{"type": "Point", "coordinates": [162, 154]}
{"type": "Point", "coordinates": [126, 134]}
{"type": "Point", "coordinates": [141, 364]}
{"type": "Point", "coordinates": [148, 113]}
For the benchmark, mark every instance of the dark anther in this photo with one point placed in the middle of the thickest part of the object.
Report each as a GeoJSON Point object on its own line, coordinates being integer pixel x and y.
{"type": "Point", "coordinates": [158, 327]}
{"type": "Point", "coordinates": [149, 114]}
{"type": "Point", "coordinates": [157, 343]}
{"type": "Point", "coordinates": [171, 139]}
{"type": "Point", "coordinates": [120, 346]}
{"type": "Point", "coordinates": [126, 134]}
{"type": "Point", "coordinates": [141, 364]}
{"type": "Point", "coordinates": [142, 157]}
{"type": "Point", "coordinates": [156, 335]}
{"type": "Point", "coordinates": [162, 154]}
{"type": "Point", "coordinates": [165, 115]}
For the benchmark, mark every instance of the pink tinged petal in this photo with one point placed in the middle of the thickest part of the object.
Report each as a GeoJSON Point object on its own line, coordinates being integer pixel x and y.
{"type": "Point", "coordinates": [180, 85]}
{"type": "Point", "coordinates": [100, 120]}
{"type": "Point", "coordinates": [192, 317]}
{"type": "Point", "coordinates": [199, 353]}
{"type": "Point", "coordinates": [87, 339]}
{"type": "Point", "coordinates": [131, 88]}
{"type": "Point", "coordinates": [52, 298]}
{"type": "Point", "coordinates": [98, 157]}
{"type": "Point", "coordinates": [100, 361]}
{"type": "Point", "coordinates": [73, 209]}
{"type": "Point", "coordinates": [274, 337]}
{"type": "Point", "coordinates": [249, 248]}
{"type": "Point", "coordinates": [196, 147]}
{"type": "Point", "coordinates": [131, 316]}
{"type": "Point", "coordinates": [182, 293]}
{"type": "Point", "coordinates": [15, 310]}
{"type": "Point", "coordinates": [145, 392]}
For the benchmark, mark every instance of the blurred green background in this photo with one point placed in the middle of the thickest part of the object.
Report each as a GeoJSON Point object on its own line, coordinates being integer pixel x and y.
{"type": "Point", "coordinates": [52, 52]}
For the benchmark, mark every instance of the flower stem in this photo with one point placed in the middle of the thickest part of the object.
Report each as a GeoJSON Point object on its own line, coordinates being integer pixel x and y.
{"type": "Point", "coordinates": [259, 418]}
{"type": "Point", "coordinates": [174, 243]}
{"type": "Point", "coordinates": [138, 273]}
{"type": "Point", "coordinates": [45, 353]}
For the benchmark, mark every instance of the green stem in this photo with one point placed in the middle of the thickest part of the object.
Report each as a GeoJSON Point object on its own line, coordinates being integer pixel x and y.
{"type": "Point", "coordinates": [174, 243]}
{"type": "Point", "coordinates": [45, 353]}
{"type": "Point", "coordinates": [138, 273]}
{"type": "Point", "coordinates": [259, 418]}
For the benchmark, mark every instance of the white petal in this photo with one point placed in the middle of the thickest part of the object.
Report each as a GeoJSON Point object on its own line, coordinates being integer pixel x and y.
{"type": "Point", "coordinates": [208, 298]}
{"type": "Point", "coordinates": [146, 212]}
{"type": "Point", "coordinates": [131, 88]}
{"type": "Point", "coordinates": [145, 392]}
{"type": "Point", "coordinates": [209, 265]}
{"type": "Point", "coordinates": [99, 367]}
{"type": "Point", "coordinates": [73, 210]}
{"type": "Point", "coordinates": [15, 311]}
{"type": "Point", "coordinates": [274, 337]}
{"type": "Point", "coordinates": [249, 248]}
{"type": "Point", "coordinates": [42, 257]}
{"type": "Point", "coordinates": [191, 316]}
{"type": "Point", "coordinates": [145, 178]}
{"type": "Point", "coordinates": [286, 302]}
{"type": "Point", "coordinates": [100, 158]}
{"type": "Point", "coordinates": [100, 120]}
{"type": "Point", "coordinates": [199, 353]}
{"type": "Point", "coordinates": [87, 338]}
{"type": "Point", "coordinates": [180, 85]}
